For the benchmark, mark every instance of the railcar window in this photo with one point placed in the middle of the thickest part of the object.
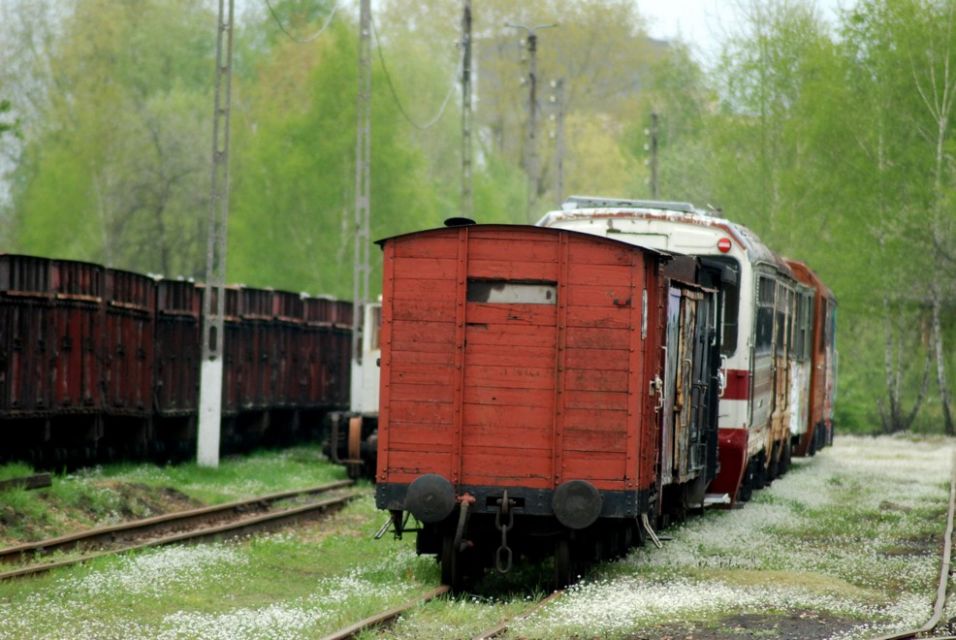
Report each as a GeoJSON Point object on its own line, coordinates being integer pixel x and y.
{"type": "Point", "coordinates": [765, 297]}
{"type": "Point", "coordinates": [808, 325]}
{"type": "Point", "coordinates": [729, 283]}
{"type": "Point", "coordinates": [512, 292]}
{"type": "Point", "coordinates": [798, 333]}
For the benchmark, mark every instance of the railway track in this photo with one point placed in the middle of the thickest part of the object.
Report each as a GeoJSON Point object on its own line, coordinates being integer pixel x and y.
{"type": "Point", "coordinates": [232, 518]}
{"type": "Point", "coordinates": [386, 617]}
{"type": "Point", "coordinates": [944, 577]}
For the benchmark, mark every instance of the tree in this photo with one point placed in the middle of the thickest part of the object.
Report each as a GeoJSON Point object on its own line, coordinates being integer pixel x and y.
{"type": "Point", "coordinates": [123, 143]}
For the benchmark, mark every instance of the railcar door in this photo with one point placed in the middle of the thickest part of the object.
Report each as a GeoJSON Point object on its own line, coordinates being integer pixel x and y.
{"type": "Point", "coordinates": [762, 380]}
{"type": "Point", "coordinates": [671, 362]}
{"type": "Point", "coordinates": [508, 404]}
{"type": "Point", "coordinates": [702, 377]}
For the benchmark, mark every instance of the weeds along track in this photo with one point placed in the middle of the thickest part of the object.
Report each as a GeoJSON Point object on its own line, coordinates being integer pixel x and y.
{"type": "Point", "coordinates": [503, 626]}
{"type": "Point", "coordinates": [944, 576]}
{"type": "Point", "coordinates": [242, 516]}
{"type": "Point", "coordinates": [386, 616]}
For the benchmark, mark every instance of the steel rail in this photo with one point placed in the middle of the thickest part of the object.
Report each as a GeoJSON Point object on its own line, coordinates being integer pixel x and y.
{"type": "Point", "coordinates": [165, 521]}
{"type": "Point", "coordinates": [386, 616]}
{"type": "Point", "coordinates": [235, 527]}
{"type": "Point", "coordinates": [504, 625]}
{"type": "Point", "coordinates": [944, 573]}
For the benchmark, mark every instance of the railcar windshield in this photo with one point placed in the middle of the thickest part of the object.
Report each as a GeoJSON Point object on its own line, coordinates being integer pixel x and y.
{"type": "Point", "coordinates": [730, 302]}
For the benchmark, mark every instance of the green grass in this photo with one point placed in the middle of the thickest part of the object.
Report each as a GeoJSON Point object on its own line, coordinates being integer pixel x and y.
{"type": "Point", "coordinates": [842, 544]}
{"type": "Point", "coordinates": [109, 494]}
{"type": "Point", "coordinates": [15, 470]}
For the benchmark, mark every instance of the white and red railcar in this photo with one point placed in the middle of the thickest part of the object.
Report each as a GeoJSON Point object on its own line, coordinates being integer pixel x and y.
{"type": "Point", "coordinates": [762, 411]}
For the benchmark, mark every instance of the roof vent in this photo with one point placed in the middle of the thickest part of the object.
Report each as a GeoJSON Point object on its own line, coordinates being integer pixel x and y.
{"type": "Point", "coordinates": [458, 222]}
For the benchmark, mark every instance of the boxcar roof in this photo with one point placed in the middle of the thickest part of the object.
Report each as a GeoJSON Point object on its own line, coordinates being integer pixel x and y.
{"type": "Point", "coordinates": [528, 227]}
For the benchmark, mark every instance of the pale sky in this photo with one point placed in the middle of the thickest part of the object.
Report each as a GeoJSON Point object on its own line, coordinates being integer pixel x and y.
{"type": "Point", "coordinates": [704, 23]}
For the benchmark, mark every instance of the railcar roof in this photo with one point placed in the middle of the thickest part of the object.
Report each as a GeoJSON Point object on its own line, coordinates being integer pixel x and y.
{"type": "Point", "coordinates": [530, 227]}
{"type": "Point", "coordinates": [590, 208]}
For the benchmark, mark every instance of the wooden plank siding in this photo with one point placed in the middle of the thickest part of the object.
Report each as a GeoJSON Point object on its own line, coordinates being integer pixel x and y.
{"type": "Point", "coordinates": [517, 394]}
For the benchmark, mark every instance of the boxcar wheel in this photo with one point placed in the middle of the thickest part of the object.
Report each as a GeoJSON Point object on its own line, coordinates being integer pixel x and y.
{"type": "Point", "coordinates": [451, 563]}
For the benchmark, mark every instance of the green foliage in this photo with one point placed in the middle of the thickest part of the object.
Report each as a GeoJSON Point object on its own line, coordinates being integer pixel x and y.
{"type": "Point", "coordinates": [832, 144]}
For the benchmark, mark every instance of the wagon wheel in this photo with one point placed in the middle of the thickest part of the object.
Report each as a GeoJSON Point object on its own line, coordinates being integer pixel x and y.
{"type": "Point", "coordinates": [785, 458]}
{"type": "Point", "coordinates": [563, 564]}
{"type": "Point", "coordinates": [451, 563]}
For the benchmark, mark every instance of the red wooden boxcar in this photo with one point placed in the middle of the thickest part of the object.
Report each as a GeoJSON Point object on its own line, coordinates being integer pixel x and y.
{"type": "Point", "coordinates": [518, 381]}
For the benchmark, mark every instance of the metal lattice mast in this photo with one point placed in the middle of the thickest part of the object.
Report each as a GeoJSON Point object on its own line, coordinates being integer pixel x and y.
{"type": "Point", "coordinates": [467, 203]}
{"type": "Point", "coordinates": [210, 386]}
{"type": "Point", "coordinates": [363, 157]}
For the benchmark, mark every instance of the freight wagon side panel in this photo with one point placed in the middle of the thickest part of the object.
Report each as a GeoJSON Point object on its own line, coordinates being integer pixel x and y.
{"type": "Point", "coordinates": [27, 341]}
{"type": "Point", "coordinates": [130, 309]}
{"type": "Point", "coordinates": [79, 373]}
{"type": "Point", "coordinates": [177, 348]}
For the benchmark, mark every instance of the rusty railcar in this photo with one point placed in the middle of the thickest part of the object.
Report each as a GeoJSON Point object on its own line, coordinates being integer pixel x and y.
{"type": "Point", "coordinates": [177, 352]}
{"type": "Point", "coordinates": [821, 352]}
{"type": "Point", "coordinates": [27, 348]}
{"type": "Point", "coordinates": [523, 389]}
{"type": "Point", "coordinates": [26, 336]}
{"type": "Point", "coordinates": [99, 363]}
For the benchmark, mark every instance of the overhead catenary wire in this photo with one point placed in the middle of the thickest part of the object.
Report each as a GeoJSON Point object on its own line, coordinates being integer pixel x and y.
{"type": "Point", "coordinates": [391, 87]}
{"type": "Point", "coordinates": [311, 38]}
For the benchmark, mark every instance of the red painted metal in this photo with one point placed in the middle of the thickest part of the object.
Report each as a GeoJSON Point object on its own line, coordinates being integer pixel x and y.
{"type": "Point", "coordinates": [288, 319]}
{"type": "Point", "coordinates": [177, 349]}
{"type": "Point", "coordinates": [26, 337]}
{"type": "Point", "coordinates": [519, 393]}
{"type": "Point", "coordinates": [738, 385]}
{"type": "Point", "coordinates": [130, 308]}
{"type": "Point", "coordinates": [78, 323]}
{"type": "Point", "coordinates": [732, 447]}
{"type": "Point", "coordinates": [822, 298]}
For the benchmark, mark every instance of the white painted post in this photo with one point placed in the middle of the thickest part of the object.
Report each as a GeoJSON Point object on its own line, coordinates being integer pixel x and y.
{"type": "Point", "coordinates": [214, 295]}
{"type": "Point", "coordinates": [210, 406]}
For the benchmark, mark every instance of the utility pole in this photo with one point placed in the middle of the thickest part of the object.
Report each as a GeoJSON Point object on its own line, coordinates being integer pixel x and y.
{"type": "Point", "coordinates": [558, 99]}
{"type": "Point", "coordinates": [467, 203]}
{"type": "Point", "coordinates": [363, 185]}
{"type": "Point", "coordinates": [532, 150]}
{"type": "Point", "coordinates": [652, 147]}
{"type": "Point", "coordinates": [210, 383]}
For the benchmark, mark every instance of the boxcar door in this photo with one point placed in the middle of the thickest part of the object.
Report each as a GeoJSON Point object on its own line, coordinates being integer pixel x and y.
{"type": "Point", "coordinates": [701, 376]}
{"type": "Point", "coordinates": [508, 403]}
{"type": "Point", "coordinates": [671, 361]}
